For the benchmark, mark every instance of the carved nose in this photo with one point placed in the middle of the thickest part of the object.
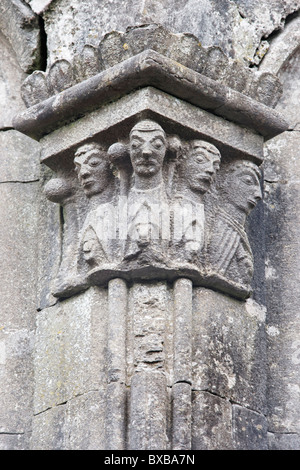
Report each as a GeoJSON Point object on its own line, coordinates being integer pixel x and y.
{"type": "Point", "coordinates": [84, 172]}
{"type": "Point", "coordinates": [210, 168]}
{"type": "Point", "coordinates": [146, 151]}
{"type": "Point", "coordinates": [258, 194]}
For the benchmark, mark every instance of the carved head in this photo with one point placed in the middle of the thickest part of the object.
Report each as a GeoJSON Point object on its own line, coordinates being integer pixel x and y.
{"type": "Point", "coordinates": [93, 168]}
{"type": "Point", "coordinates": [241, 185]}
{"type": "Point", "coordinates": [201, 165]}
{"type": "Point", "coordinates": [148, 145]}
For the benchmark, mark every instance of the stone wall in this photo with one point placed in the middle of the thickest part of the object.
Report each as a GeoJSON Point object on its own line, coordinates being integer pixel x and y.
{"type": "Point", "coordinates": [110, 368]}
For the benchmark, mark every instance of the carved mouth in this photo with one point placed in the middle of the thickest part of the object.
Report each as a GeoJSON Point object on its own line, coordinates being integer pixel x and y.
{"type": "Point", "coordinates": [88, 183]}
{"type": "Point", "coordinates": [206, 179]}
{"type": "Point", "coordinates": [252, 202]}
{"type": "Point", "coordinates": [145, 163]}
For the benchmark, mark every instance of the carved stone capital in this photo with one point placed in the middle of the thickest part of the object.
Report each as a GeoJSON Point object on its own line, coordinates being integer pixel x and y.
{"type": "Point", "coordinates": [157, 169]}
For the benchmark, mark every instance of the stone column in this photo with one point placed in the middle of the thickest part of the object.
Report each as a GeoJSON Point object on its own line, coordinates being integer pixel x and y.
{"type": "Point", "coordinates": [150, 325]}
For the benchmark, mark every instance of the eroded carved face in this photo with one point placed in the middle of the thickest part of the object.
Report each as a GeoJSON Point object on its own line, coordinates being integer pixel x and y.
{"type": "Point", "coordinates": [147, 151]}
{"type": "Point", "coordinates": [243, 187]}
{"type": "Point", "coordinates": [201, 166]}
{"type": "Point", "coordinates": [93, 169]}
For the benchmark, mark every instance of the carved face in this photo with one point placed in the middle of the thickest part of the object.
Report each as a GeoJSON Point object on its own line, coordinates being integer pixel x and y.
{"type": "Point", "coordinates": [147, 151]}
{"type": "Point", "coordinates": [93, 169]}
{"type": "Point", "coordinates": [201, 166]}
{"type": "Point", "coordinates": [243, 189]}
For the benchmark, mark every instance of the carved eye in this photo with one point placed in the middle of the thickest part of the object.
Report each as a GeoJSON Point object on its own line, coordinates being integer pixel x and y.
{"type": "Point", "coordinates": [135, 144]}
{"type": "Point", "coordinates": [247, 179]}
{"type": "Point", "coordinates": [94, 162]}
{"type": "Point", "coordinates": [157, 144]}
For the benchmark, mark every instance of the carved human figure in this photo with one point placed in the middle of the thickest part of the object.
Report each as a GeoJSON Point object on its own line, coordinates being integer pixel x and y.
{"type": "Point", "coordinates": [229, 250]}
{"type": "Point", "coordinates": [96, 179]}
{"type": "Point", "coordinates": [148, 213]}
{"type": "Point", "coordinates": [95, 175]}
{"type": "Point", "coordinates": [197, 172]}
{"type": "Point", "coordinates": [94, 171]}
{"type": "Point", "coordinates": [199, 169]}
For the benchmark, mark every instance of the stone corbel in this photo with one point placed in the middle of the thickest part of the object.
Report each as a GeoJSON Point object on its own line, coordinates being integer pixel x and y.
{"type": "Point", "coordinates": [172, 161]}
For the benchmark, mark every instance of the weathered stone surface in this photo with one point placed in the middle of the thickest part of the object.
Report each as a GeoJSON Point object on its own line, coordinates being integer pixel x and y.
{"type": "Point", "coordinates": [19, 158]}
{"type": "Point", "coordinates": [21, 26]}
{"type": "Point", "coordinates": [185, 49]}
{"type": "Point", "coordinates": [86, 422]}
{"type": "Point", "coordinates": [19, 258]}
{"type": "Point", "coordinates": [149, 69]}
{"type": "Point", "coordinates": [148, 404]}
{"type": "Point", "coordinates": [18, 282]}
{"type": "Point", "coordinates": [149, 344]}
{"type": "Point", "coordinates": [11, 77]}
{"type": "Point", "coordinates": [49, 429]}
{"type": "Point", "coordinates": [282, 266]}
{"type": "Point", "coordinates": [49, 244]}
{"type": "Point", "coordinates": [249, 429]}
{"type": "Point", "coordinates": [211, 422]}
{"type": "Point", "coordinates": [69, 348]}
{"type": "Point", "coordinates": [229, 348]}
{"type": "Point", "coordinates": [16, 346]}
{"type": "Point", "coordinates": [34, 88]}
{"type": "Point", "coordinates": [282, 48]}
{"type": "Point", "coordinates": [182, 416]}
{"type": "Point", "coordinates": [74, 402]}
{"type": "Point", "coordinates": [236, 27]}
{"type": "Point", "coordinates": [177, 116]}
{"type": "Point", "coordinates": [183, 331]}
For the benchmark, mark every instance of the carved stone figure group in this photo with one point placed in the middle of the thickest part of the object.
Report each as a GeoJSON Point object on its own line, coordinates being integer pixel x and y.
{"type": "Point", "coordinates": [161, 208]}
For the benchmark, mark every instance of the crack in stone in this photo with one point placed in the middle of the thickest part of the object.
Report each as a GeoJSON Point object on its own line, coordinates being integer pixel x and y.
{"type": "Point", "coordinates": [20, 181]}
{"type": "Point", "coordinates": [65, 402]}
{"type": "Point", "coordinates": [4, 433]}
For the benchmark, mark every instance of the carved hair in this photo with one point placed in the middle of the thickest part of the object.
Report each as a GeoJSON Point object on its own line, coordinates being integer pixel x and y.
{"type": "Point", "coordinates": [88, 147]}
{"type": "Point", "coordinates": [237, 164]}
{"type": "Point", "coordinates": [147, 125]}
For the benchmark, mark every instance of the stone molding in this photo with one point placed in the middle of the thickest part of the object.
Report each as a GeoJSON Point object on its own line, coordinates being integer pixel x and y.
{"type": "Point", "coordinates": [149, 68]}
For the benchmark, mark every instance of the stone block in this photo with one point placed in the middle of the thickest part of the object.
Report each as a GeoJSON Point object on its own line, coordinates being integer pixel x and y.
{"type": "Point", "coordinates": [148, 411]}
{"type": "Point", "coordinates": [19, 259]}
{"type": "Point", "coordinates": [11, 78]}
{"type": "Point", "coordinates": [49, 431]}
{"type": "Point", "coordinates": [20, 158]}
{"type": "Point", "coordinates": [229, 352]}
{"type": "Point", "coordinates": [249, 429]}
{"type": "Point", "coordinates": [211, 422]}
{"type": "Point", "coordinates": [16, 376]}
{"type": "Point", "coordinates": [70, 349]}
{"type": "Point", "coordinates": [86, 423]}
{"type": "Point", "coordinates": [21, 26]}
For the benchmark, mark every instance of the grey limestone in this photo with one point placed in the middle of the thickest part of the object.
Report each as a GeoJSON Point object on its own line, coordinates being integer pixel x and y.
{"type": "Point", "coordinates": [249, 429]}
{"type": "Point", "coordinates": [229, 358]}
{"type": "Point", "coordinates": [70, 345]}
{"type": "Point", "coordinates": [282, 267]}
{"type": "Point", "coordinates": [149, 343]}
{"type": "Point", "coordinates": [18, 281]}
{"type": "Point", "coordinates": [211, 422]}
{"type": "Point", "coordinates": [19, 158]}
{"type": "Point", "coordinates": [149, 69]}
{"type": "Point", "coordinates": [11, 78]}
{"type": "Point", "coordinates": [21, 26]}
